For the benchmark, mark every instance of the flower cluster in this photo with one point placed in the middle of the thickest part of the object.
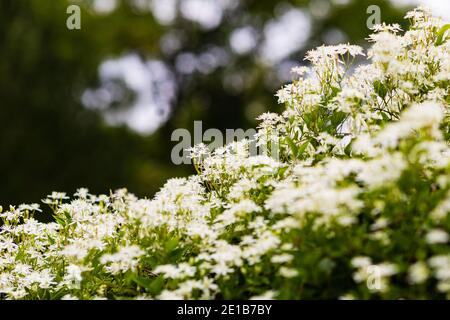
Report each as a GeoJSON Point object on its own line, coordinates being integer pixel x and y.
{"type": "Point", "coordinates": [354, 204]}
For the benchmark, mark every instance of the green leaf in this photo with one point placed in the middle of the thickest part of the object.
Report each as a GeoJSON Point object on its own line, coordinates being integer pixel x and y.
{"type": "Point", "coordinates": [60, 220]}
{"type": "Point", "coordinates": [302, 148]}
{"type": "Point", "coordinates": [336, 119]}
{"type": "Point", "coordinates": [440, 35]}
{"type": "Point", "coordinates": [293, 146]}
{"type": "Point", "coordinates": [282, 170]}
{"type": "Point", "coordinates": [385, 117]}
{"type": "Point", "coordinates": [348, 150]}
{"type": "Point", "coordinates": [380, 88]}
{"type": "Point", "coordinates": [335, 91]}
{"type": "Point", "coordinates": [141, 281]}
{"type": "Point", "coordinates": [297, 150]}
{"type": "Point", "coordinates": [171, 245]}
{"type": "Point", "coordinates": [156, 285]}
{"type": "Point", "coordinates": [176, 254]}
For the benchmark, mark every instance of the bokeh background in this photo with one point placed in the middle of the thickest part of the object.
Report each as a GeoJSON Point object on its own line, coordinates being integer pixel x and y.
{"type": "Point", "coordinates": [96, 107]}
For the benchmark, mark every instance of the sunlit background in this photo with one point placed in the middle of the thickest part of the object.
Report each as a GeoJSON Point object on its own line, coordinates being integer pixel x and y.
{"type": "Point", "coordinates": [96, 107]}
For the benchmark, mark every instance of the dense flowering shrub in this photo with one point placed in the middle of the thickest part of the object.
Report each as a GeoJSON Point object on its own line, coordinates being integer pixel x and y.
{"type": "Point", "coordinates": [355, 204]}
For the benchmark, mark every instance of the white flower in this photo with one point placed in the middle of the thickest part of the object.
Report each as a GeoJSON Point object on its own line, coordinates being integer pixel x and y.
{"type": "Point", "coordinates": [437, 236]}
{"type": "Point", "coordinates": [442, 209]}
{"type": "Point", "coordinates": [300, 71]}
{"type": "Point", "coordinates": [418, 273]}
{"type": "Point", "coordinates": [30, 207]}
{"type": "Point", "coordinates": [282, 258]}
{"type": "Point", "coordinates": [74, 273]}
{"type": "Point", "coordinates": [125, 259]}
{"type": "Point", "coordinates": [169, 295]}
{"type": "Point", "coordinates": [268, 295]}
{"type": "Point", "coordinates": [288, 272]}
{"type": "Point", "coordinates": [359, 262]}
{"type": "Point", "coordinates": [69, 297]}
{"type": "Point", "coordinates": [183, 270]}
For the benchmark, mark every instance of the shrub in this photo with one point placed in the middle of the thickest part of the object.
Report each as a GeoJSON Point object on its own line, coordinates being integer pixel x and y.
{"type": "Point", "coordinates": [354, 204]}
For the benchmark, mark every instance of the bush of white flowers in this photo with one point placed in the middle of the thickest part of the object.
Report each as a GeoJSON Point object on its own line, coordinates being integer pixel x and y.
{"type": "Point", "coordinates": [355, 205]}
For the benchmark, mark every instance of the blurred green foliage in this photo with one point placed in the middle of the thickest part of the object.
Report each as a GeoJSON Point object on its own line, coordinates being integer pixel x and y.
{"type": "Point", "coordinates": [50, 141]}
